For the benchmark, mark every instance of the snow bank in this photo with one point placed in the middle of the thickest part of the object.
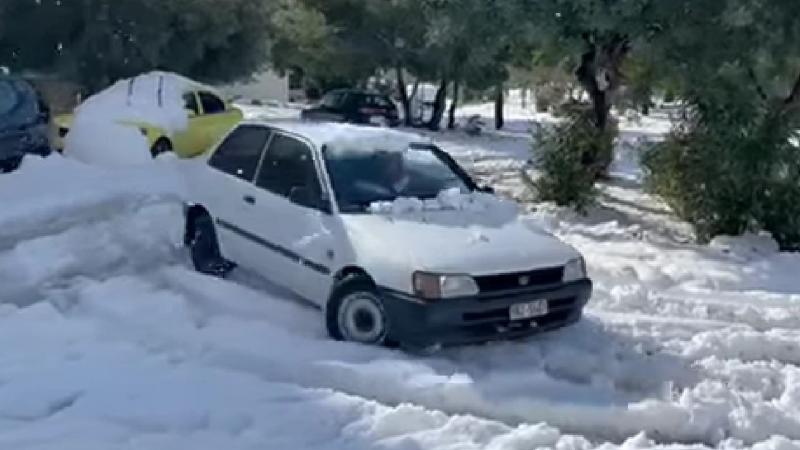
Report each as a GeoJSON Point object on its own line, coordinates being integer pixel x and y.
{"type": "Point", "coordinates": [747, 246]}
{"type": "Point", "coordinates": [104, 130]}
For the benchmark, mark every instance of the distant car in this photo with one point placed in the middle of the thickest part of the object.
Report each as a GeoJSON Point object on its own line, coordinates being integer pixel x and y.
{"type": "Point", "coordinates": [357, 107]}
{"type": "Point", "coordinates": [288, 202]}
{"type": "Point", "coordinates": [210, 118]}
{"type": "Point", "coordinates": [24, 123]}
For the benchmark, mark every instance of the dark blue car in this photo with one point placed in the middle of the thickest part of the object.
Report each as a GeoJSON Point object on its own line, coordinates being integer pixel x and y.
{"type": "Point", "coordinates": [353, 106]}
{"type": "Point", "coordinates": [24, 123]}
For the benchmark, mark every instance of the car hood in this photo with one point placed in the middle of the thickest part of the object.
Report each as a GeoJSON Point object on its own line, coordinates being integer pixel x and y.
{"type": "Point", "coordinates": [393, 248]}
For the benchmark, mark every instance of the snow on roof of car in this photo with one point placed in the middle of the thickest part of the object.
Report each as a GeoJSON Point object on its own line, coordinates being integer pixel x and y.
{"type": "Point", "coordinates": [341, 135]}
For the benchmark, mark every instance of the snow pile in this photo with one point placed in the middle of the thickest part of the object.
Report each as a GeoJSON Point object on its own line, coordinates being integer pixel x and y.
{"type": "Point", "coordinates": [105, 127]}
{"type": "Point", "coordinates": [448, 200]}
{"type": "Point", "coordinates": [747, 246]}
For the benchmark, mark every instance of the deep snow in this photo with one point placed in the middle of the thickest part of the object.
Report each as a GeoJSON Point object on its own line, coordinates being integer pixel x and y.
{"type": "Point", "coordinates": [113, 342]}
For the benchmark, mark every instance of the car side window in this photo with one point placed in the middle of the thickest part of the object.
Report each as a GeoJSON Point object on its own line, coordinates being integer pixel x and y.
{"type": "Point", "coordinates": [240, 152]}
{"type": "Point", "coordinates": [190, 102]}
{"type": "Point", "coordinates": [332, 100]}
{"type": "Point", "coordinates": [211, 103]}
{"type": "Point", "coordinates": [288, 170]}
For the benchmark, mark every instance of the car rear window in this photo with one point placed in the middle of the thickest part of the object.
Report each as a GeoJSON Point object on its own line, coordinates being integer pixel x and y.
{"type": "Point", "coordinates": [240, 152]}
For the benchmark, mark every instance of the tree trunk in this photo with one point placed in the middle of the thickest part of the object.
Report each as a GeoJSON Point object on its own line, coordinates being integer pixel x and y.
{"type": "Point", "coordinates": [438, 106]}
{"type": "Point", "coordinates": [451, 119]}
{"type": "Point", "coordinates": [404, 99]}
{"type": "Point", "coordinates": [599, 75]}
{"type": "Point", "coordinates": [499, 120]}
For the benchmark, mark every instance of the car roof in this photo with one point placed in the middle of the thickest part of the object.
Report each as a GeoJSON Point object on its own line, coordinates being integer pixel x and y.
{"type": "Point", "coordinates": [329, 133]}
{"type": "Point", "coordinates": [355, 91]}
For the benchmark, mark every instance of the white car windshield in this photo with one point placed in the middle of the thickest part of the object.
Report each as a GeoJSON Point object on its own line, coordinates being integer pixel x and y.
{"type": "Point", "coordinates": [361, 178]}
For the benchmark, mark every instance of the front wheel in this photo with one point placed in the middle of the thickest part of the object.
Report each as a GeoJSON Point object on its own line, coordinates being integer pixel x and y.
{"type": "Point", "coordinates": [161, 146]}
{"type": "Point", "coordinates": [356, 313]}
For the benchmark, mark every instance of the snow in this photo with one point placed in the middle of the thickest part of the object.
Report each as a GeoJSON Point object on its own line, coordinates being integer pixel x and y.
{"type": "Point", "coordinates": [105, 127]}
{"type": "Point", "coordinates": [113, 342]}
{"type": "Point", "coordinates": [448, 200]}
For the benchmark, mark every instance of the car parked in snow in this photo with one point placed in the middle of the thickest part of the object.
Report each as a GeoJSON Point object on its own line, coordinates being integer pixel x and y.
{"type": "Point", "coordinates": [209, 117]}
{"type": "Point", "coordinates": [354, 106]}
{"type": "Point", "coordinates": [385, 232]}
{"type": "Point", "coordinates": [24, 122]}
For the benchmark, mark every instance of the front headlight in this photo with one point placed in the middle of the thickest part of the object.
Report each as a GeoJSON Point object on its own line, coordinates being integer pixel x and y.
{"type": "Point", "coordinates": [435, 286]}
{"type": "Point", "coordinates": [574, 270]}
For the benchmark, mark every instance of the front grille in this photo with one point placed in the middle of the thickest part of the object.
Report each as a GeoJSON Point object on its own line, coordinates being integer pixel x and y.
{"type": "Point", "coordinates": [519, 280]}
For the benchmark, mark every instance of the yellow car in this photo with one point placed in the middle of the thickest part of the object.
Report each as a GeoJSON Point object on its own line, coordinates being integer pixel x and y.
{"type": "Point", "coordinates": [209, 118]}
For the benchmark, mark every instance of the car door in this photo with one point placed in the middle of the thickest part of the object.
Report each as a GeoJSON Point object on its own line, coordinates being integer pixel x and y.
{"type": "Point", "coordinates": [329, 109]}
{"type": "Point", "coordinates": [185, 142]}
{"type": "Point", "coordinates": [293, 218]}
{"type": "Point", "coordinates": [228, 193]}
{"type": "Point", "coordinates": [215, 119]}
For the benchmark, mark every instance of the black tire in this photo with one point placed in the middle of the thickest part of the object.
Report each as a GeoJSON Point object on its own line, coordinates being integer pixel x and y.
{"type": "Point", "coordinates": [161, 146]}
{"type": "Point", "coordinates": [10, 164]}
{"type": "Point", "coordinates": [206, 256]}
{"type": "Point", "coordinates": [355, 312]}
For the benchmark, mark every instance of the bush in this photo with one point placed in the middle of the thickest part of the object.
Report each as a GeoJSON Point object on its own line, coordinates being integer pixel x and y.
{"type": "Point", "coordinates": [731, 173]}
{"type": "Point", "coordinates": [570, 156]}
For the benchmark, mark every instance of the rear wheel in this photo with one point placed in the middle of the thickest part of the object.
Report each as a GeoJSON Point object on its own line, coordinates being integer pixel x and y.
{"type": "Point", "coordinates": [355, 313]}
{"type": "Point", "coordinates": [162, 145]}
{"type": "Point", "coordinates": [206, 255]}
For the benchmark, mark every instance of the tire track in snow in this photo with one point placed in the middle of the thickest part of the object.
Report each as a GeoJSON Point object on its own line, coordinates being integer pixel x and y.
{"type": "Point", "coordinates": [444, 383]}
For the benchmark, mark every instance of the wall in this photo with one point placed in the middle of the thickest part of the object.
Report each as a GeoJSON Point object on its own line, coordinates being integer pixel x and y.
{"type": "Point", "coordinates": [264, 86]}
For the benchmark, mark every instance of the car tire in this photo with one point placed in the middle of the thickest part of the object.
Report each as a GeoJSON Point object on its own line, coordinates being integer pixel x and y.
{"type": "Point", "coordinates": [356, 313]}
{"type": "Point", "coordinates": [206, 256]}
{"type": "Point", "coordinates": [10, 164]}
{"type": "Point", "coordinates": [161, 146]}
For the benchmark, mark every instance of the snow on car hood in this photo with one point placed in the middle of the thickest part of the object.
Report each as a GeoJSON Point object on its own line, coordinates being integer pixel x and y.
{"type": "Point", "coordinates": [475, 234]}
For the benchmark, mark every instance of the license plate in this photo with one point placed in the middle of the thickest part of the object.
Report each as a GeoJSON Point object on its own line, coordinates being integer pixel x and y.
{"type": "Point", "coordinates": [528, 310]}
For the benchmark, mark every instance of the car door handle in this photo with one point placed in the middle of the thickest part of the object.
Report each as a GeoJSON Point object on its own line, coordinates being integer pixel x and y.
{"type": "Point", "coordinates": [249, 199]}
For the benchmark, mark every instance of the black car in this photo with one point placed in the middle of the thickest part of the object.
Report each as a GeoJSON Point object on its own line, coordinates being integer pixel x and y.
{"type": "Point", "coordinates": [24, 122]}
{"type": "Point", "coordinates": [353, 106]}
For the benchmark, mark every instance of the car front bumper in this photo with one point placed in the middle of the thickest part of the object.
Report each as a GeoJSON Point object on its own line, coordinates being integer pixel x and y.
{"type": "Point", "coordinates": [417, 323]}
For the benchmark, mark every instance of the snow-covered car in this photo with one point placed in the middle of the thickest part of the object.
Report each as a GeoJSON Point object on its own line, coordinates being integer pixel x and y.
{"type": "Point", "coordinates": [382, 230]}
{"type": "Point", "coordinates": [172, 114]}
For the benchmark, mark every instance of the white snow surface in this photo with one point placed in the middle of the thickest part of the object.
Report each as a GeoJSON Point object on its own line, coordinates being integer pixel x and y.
{"type": "Point", "coordinates": [448, 200]}
{"type": "Point", "coordinates": [113, 342]}
{"type": "Point", "coordinates": [105, 131]}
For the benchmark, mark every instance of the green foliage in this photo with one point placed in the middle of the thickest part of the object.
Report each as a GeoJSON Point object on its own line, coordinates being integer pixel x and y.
{"type": "Point", "coordinates": [727, 174]}
{"type": "Point", "coordinates": [569, 156]}
{"type": "Point", "coordinates": [97, 41]}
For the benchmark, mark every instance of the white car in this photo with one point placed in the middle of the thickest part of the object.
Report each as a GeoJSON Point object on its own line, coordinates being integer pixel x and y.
{"type": "Point", "coordinates": [382, 230]}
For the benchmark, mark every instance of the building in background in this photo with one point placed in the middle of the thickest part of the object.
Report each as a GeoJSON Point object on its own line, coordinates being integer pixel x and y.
{"type": "Point", "coordinates": [267, 86]}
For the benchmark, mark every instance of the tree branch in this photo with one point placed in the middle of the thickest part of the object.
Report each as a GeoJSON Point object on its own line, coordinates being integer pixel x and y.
{"type": "Point", "coordinates": [794, 96]}
{"type": "Point", "coordinates": [761, 93]}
